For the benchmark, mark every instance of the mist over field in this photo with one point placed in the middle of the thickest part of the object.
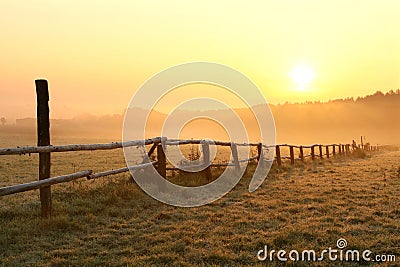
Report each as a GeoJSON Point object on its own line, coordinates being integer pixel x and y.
{"type": "Point", "coordinates": [374, 116]}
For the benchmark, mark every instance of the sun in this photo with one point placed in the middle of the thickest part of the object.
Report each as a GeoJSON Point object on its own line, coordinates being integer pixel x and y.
{"type": "Point", "coordinates": [302, 76]}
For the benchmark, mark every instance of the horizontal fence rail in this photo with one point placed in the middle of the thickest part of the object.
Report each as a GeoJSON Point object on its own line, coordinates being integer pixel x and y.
{"type": "Point", "coordinates": [121, 170]}
{"type": "Point", "coordinates": [199, 141]}
{"type": "Point", "coordinates": [41, 183]}
{"type": "Point", "coordinates": [78, 147]}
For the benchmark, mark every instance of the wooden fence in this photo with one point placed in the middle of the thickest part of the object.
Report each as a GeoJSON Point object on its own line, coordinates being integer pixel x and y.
{"type": "Point", "coordinates": [44, 149]}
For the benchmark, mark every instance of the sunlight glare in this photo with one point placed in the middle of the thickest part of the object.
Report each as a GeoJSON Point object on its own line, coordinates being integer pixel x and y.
{"type": "Point", "coordinates": [302, 76]}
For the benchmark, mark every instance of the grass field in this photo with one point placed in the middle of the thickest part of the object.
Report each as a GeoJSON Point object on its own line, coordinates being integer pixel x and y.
{"type": "Point", "coordinates": [110, 221]}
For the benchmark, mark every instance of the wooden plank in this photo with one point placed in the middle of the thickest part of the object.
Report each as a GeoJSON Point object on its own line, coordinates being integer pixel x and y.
{"type": "Point", "coordinates": [43, 183]}
{"type": "Point", "coordinates": [259, 151]}
{"type": "Point", "coordinates": [291, 155]}
{"type": "Point", "coordinates": [313, 152]}
{"type": "Point", "coordinates": [207, 161]}
{"type": "Point", "coordinates": [235, 156]}
{"type": "Point", "coordinates": [120, 170]}
{"type": "Point", "coordinates": [76, 147]}
{"type": "Point", "coordinates": [162, 161]}
{"type": "Point", "coordinates": [278, 155]}
{"type": "Point", "coordinates": [107, 173]}
{"type": "Point", "coordinates": [43, 135]}
{"type": "Point", "coordinates": [327, 151]}
{"type": "Point", "coordinates": [320, 151]}
{"type": "Point", "coordinates": [175, 142]}
{"type": "Point", "coordinates": [301, 153]}
{"type": "Point", "coordinates": [333, 150]}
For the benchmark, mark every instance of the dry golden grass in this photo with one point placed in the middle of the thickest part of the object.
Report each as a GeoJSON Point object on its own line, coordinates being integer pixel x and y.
{"type": "Point", "coordinates": [110, 221]}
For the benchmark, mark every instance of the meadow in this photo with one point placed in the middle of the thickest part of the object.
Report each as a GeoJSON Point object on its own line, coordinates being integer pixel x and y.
{"type": "Point", "coordinates": [111, 221]}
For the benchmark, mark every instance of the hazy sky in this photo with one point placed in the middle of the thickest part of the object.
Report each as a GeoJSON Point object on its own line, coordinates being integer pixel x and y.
{"type": "Point", "coordinates": [95, 54]}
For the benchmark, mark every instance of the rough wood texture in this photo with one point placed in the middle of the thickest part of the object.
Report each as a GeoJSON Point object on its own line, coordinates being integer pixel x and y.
{"type": "Point", "coordinates": [301, 153]}
{"type": "Point", "coordinates": [78, 147]}
{"type": "Point", "coordinates": [198, 141]}
{"type": "Point", "coordinates": [291, 150]}
{"type": "Point", "coordinates": [259, 152]}
{"type": "Point", "coordinates": [313, 153]}
{"type": "Point", "coordinates": [278, 155]}
{"type": "Point", "coordinates": [43, 183]}
{"type": "Point", "coordinates": [320, 151]}
{"type": "Point", "coordinates": [327, 152]}
{"type": "Point", "coordinates": [43, 135]}
{"type": "Point", "coordinates": [235, 156]}
{"type": "Point", "coordinates": [162, 161]}
{"type": "Point", "coordinates": [207, 160]}
{"type": "Point", "coordinates": [121, 170]}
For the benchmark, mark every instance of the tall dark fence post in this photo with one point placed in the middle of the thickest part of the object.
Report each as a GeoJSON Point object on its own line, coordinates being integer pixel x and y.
{"type": "Point", "coordinates": [333, 150]}
{"type": "Point", "coordinates": [207, 161]}
{"type": "Point", "coordinates": [320, 151]}
{"type": "Point", "coordinates": [291, 155]}
{"type": "Point", "coordinates": [301, 153]}
{"type": "Point", "coordinates": [162, 162]}
{"type": "Point", "coordinates": [327, 152]}
{"type": "Point", "coordinates": [43, 135]}
{"type": "Point", "coordinates": [313, 152]}
{"type": "Point", "coordinates": [278, 155]}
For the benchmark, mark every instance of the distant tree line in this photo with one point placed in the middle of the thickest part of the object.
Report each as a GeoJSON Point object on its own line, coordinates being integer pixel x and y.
{"type": "Point", "coordinates": [376, 95]}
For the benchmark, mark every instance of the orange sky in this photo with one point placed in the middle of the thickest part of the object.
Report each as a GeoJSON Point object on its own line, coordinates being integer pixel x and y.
{"type": "Point", "coordinates": [95, 54]}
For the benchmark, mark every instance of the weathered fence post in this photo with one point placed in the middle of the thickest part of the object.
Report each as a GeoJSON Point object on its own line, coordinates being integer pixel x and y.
{"type": "Point", "coordinates": [278, 155]}
{"type": "Point", "coordinates": [327, 152]}
{"type": "Point", "coordinates": [301, 153]}
{"type": "Point", "coordinates": [333, 150]}
{"type": "Point", "coordinates": [43, 135]}
{"type": "Point", "coordinates": [235, 156]}
{"type": "Point", "coordinates": [320, 151]}
{"type": "Point", "coordinates": [291, 155]}
{"type": "Point", "coordinates": [162, 162]}
{"type": "Point", "coordinates": [259, 151]}
{"type": "Point", "coordinates": [362, 143]}
{"type": "Point", "coordinates": [206, 159]}
{"type": "Point", "coordinates": [312, 152]}
{"type": "Point", "coordinates": [340, 149]}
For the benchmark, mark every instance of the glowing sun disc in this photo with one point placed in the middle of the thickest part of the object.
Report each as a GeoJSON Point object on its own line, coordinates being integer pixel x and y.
{"type": "Point", "coordinates": [302, 76]}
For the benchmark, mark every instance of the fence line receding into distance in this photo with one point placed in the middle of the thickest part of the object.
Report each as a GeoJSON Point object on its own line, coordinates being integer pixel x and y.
{"type": "Point", "coordinates": [44, 149]}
